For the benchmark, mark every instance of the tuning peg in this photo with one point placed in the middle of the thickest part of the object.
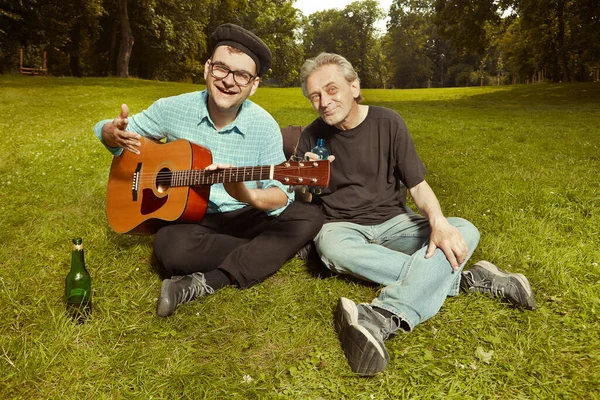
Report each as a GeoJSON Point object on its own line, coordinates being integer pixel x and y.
{"type": "Point", "coordinates": [290, 189]}
{"type": "Point", "coordinates": [317, 190]}
{"type": "Point", "coordinates": [303, 189]}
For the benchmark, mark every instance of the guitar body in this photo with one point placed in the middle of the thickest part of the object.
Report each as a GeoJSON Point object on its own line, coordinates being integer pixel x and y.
{"type": "Point", "coordinates": [138, 199]}
{"type": "Point", "coordinates": [167, 183]}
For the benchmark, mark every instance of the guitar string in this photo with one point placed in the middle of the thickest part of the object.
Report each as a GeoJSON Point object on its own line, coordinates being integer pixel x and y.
{"type": "Point", "coordinates": [148, 180]}
{"type": "Point", "coordinates": [207, 177]}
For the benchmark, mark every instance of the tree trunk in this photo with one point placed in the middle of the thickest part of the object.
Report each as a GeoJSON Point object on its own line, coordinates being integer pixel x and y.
{"type": "Point", "coordinates": [126, 42]}
{"type": "Point", "coordinates": [113, 50]}
{"type": "Point", "coordinates": [560, 39]}
{"type": "Point", "coordinates": [74, 64]}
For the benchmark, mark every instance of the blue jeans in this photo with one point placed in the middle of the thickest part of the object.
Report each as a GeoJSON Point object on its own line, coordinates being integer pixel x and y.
{"type": "Point", "coordinates": [393, 254]}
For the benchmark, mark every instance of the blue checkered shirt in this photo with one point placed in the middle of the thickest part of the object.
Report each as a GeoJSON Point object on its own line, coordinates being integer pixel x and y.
{"type": "Point", "coordinates": [253, 139]}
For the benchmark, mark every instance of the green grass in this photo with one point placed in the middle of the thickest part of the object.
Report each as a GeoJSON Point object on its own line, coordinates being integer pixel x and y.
{"type": "Point", "coordinates": [520, 162]}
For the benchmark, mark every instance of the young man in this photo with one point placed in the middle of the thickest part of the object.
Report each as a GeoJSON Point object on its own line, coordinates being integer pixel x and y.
{"type": "Point", "coordinates": [369, 234]}
{"type": "Point", "coordinates": [250, 229]}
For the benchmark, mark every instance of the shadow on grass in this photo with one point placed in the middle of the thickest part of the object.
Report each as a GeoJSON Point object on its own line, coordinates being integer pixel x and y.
{"type": "Point", "coordinates": [501, 98]}
{"type": "Point", "coordinates": [318, 270]}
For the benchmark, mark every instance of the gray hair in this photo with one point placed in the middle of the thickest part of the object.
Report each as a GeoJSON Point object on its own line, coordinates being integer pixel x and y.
{"type": "Point", "coordinates": [313, 64]}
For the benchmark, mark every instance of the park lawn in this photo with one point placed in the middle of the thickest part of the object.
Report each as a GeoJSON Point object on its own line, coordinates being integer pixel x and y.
{"type": "Point", "coordinates": [520, 162]}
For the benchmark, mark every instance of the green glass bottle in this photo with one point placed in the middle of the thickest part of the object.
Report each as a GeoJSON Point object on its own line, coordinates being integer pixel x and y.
{"type": "Point", "coordinates": [78, 285]}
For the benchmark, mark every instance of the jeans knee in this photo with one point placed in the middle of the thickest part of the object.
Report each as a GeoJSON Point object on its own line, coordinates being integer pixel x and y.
{"type": "Point", "coordinates": [331, 249]}
{"type": "Point", "coordinates": [467, 229]}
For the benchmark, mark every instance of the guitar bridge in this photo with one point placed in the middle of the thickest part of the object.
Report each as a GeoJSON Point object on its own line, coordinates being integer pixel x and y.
{"type": "Point", "coordinates": [135, 183]}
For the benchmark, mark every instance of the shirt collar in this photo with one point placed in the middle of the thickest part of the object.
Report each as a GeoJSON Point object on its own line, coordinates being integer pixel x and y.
{"type": "Point", "coordinates": [240, 125]}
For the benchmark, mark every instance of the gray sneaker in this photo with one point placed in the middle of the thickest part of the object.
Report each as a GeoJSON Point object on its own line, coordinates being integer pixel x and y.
{"type": "Point", "coordinates": [485, 277]}
{"type": "Point", "coordinates": [179, 290]}
{"type": "Point", "coordinates": [362, 332]}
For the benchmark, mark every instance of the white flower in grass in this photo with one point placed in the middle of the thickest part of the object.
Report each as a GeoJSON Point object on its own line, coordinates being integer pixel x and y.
{"type": "Point", "coordinates": [246, 379]}
{"type": "Point", "coordinates": [594, 264]}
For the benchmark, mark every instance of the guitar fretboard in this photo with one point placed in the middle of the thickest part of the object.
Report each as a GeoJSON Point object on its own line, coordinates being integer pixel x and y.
{"type": "Point", "coordinates": [235, 174]}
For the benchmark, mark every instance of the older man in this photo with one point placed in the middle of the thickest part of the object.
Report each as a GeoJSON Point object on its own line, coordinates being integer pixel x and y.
{"type": "Point", "coordinates": [368, 232]}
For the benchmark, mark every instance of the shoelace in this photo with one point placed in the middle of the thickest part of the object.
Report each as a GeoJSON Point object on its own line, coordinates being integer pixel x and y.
{"type": "Point", "coordinates": [485, 286]}
{"type": "Point", "coordinates": [194, 289]}
{"type": "Point", "coordinates": [386, 328]}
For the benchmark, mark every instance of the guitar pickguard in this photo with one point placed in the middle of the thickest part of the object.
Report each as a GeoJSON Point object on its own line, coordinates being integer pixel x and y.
{"type": "Point", "coordinates": [151, 203]}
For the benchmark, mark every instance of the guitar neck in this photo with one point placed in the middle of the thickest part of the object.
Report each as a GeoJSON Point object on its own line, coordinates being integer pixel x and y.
{"type": "Point", "coordinates": [235, 174]}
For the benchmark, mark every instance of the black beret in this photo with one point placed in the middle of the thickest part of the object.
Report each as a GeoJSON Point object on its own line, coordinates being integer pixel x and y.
{"type": "Point", "coordinates": [244, 40]}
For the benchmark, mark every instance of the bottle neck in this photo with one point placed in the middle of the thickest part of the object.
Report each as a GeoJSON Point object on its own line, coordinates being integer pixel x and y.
{"type": "Point", "coordinates": [77, 259]}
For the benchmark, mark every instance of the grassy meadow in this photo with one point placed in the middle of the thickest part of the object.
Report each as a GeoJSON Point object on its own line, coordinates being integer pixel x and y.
{"type": "Point", "coordinates": [521, 162]}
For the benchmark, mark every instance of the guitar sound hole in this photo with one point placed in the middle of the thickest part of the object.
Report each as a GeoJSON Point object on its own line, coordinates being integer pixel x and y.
{"type": "Point", "coordinates": [163, 180]}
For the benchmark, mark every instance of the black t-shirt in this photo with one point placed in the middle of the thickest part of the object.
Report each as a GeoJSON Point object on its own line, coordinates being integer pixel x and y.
{"type": "Point", "coordinates": [369, 161]}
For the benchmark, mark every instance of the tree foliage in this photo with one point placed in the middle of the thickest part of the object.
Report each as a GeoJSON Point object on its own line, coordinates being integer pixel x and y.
{"type": "Point", "coordinates": [427, 43]}
{"type": "Point", "coordinates": [464, 22]}
{"type": "Point", "coordinates": [350, 32]}
{"type": "Point", "coordinates": [411, 44]}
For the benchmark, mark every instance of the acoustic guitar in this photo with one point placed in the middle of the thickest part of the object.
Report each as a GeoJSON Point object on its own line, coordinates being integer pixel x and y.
{"type": "Point", "coordinates": [167, 183]}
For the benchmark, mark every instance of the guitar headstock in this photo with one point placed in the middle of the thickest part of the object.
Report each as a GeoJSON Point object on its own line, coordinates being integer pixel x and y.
{"type": "Point", "coordinates": [303, 173]}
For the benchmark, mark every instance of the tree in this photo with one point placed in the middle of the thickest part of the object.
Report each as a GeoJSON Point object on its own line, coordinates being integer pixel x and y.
{"type": "Point", "coordinates": [170, 39]}
{"type": "Point", "coordinates": [349, 32]}
{"type": "Point", "coordinates": [15, 17]}
{"type": "Point", "coordinates": [278, 24]}
{"type": "Point", "coordinates": [417, 55]}
{"type": "Point", "coordinates": [361, 16]}
{"type": "Point", "coordinates": [464, 22]}
{"type": "Point", "coordinates": [63, 29]}
{"type": "Point", "coordinates": [562, 35]}
{"type": "Point", "coordinates": [126, 41]}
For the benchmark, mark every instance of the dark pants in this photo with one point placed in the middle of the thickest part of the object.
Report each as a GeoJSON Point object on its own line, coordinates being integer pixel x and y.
{"type": "Point", "coordinates": [247, 244]}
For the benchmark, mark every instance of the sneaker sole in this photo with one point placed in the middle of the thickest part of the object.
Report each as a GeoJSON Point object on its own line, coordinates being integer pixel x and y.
{"type": "Point", "coordinates": [163, 308]}
{"type": "Point", "coordinates": [364, 354]}
{"type": "Point", "coordinates": [530, 299]}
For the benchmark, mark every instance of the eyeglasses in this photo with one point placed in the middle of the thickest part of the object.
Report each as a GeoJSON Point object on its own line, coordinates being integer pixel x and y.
{"type": "Point", "coordinates": [241, 78]}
